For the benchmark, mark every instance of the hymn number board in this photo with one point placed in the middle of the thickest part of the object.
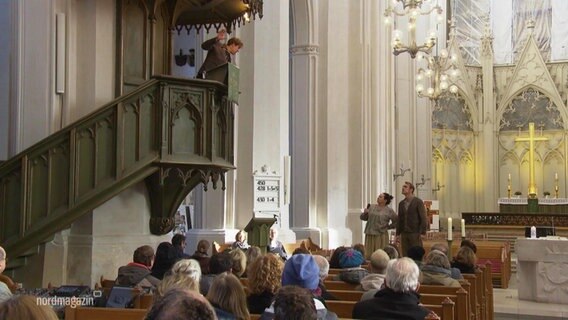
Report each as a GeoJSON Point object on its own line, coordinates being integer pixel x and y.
{"type": "Point", "coordinates": [266, 193]}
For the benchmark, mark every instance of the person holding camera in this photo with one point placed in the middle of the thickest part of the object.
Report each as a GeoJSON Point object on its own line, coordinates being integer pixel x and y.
{"type": "Point", "coordinates": [380, 217]}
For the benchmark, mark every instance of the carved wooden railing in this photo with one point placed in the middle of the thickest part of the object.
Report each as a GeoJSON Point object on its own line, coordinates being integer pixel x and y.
{"type": "Point", "coordinates": [515, 219]}
{"type": "Point", "coordinates": [172, 133]}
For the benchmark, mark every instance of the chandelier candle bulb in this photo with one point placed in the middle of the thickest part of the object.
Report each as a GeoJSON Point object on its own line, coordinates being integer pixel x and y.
{"type": "Point", "coordinates": [450, 235]}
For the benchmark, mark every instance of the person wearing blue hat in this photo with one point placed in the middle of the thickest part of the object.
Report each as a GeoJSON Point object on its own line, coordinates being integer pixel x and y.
{"type": "Point", "coordinates": [302, 270]}
{"type": "Point", "coordinates": [350, 261]}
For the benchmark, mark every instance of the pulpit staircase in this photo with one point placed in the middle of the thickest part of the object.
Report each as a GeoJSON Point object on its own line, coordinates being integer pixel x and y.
{"type": "Point", "coordinates": [171, 133]}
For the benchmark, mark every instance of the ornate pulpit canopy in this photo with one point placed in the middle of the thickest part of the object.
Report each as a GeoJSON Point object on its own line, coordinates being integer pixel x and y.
{"type": "Point", "coordinates": [227, 14]}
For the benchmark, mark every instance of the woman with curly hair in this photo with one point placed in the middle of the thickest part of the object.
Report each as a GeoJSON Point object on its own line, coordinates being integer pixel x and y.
{"type": "Point", "coordinates": [227, 296]}
{"type": "Point", "coordinates": [265, 277]}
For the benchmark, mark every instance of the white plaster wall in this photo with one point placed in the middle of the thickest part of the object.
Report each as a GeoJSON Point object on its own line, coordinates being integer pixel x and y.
{"type": "Point", "coordinates": [119, 226]}
{"type": "Point", "coordinates": [263, 104]}
{"type": "Point", "coordinates": [5, 82]}
{"type": "Point", "coordinates": [36, 36]}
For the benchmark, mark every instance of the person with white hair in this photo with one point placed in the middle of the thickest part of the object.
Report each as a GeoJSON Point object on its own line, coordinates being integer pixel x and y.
{"type": "Point", "coordinates": [323, 265]}
{"type": "Point", "coordinates": [275, 246]}
{"type": "Point", "coordinates": [399, 298]}
{"type": "Point", "coordinates": [5, 293]}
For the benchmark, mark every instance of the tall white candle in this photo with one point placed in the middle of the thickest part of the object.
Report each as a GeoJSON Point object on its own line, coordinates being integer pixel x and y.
{"type": "Point", "coordinates": [450, 236]}
{"type": "Point", "coordinates": [556, 176]}
{"type": "Point", "coordinates": [463, 228]}
{"type": "Point", "coordinates": [509, 177]}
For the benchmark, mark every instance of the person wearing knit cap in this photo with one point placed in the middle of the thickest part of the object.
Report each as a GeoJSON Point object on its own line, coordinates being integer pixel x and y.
{"type": "Point", "coordinates": [302, 270]}
{"type": "Point", "coordinates": [350, 261]}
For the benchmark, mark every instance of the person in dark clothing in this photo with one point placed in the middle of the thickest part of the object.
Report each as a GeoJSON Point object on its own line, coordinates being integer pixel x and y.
{"type": "Point", "coordinates": [465, 260]}
{"type": "Point", "coordinates": [334, 260]}
{"type": "Point", "coordinates": [166, 257]}
{"type": "Point", "coordinates": [293, 302]}
{"type": "Point", "coordinates": [218, 53]}
{"type": "Point", "coordinates": [137, 273]}
{"type": "Point", "coordinates": [219, 263]}
{"type": "Point", "coordinates": [178, 241]}
{"type": "Point", "coordinates": [201, 255]}
{"type": "Point", "coordinates": [399, 299]}
{"type": "Point", "coordinates": [265, 278]}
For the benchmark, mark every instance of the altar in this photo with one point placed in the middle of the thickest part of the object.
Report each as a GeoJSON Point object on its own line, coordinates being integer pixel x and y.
{"type": "Point", "coordinates": [543, 205]}
{"type": "Point", "coordinates": [542, 270]}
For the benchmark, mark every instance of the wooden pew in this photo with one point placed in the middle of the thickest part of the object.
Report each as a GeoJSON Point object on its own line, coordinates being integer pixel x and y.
{"type": "Point", "coordinates": [445, 310]}
{"type": "Point", "coordinates": [347, 295]}
{"type": "Point", "coordinates": [339, 285]}
{"type": "Point", "coordinates": [497, 252]}
{"type": "Point", "coordinates": [458, 295]}
{"type": "Point", "coordinates": [461, 308]}
{"type": "Point", "coordinates": [343, 309]}
{"type": "Point", "coordinates": [88, 313]}
{"type": "Point", "coordinates": [488, 289]}
{"type": "Point", "coordinates": [476, 297]}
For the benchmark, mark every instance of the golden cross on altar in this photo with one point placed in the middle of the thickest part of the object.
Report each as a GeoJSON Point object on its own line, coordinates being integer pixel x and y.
{"type": "Point", "coordinates": [531, 139]}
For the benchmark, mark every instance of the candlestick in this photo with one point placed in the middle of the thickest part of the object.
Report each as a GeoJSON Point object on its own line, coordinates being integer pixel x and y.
{"type": "Point", "coordinates": [463, 228]}
{"type": "Point", "coordinates": [450, 235]}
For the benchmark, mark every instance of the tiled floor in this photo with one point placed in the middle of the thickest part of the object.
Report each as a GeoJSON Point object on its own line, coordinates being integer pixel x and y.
{"type": "Point", "coordinates": [507, 306]}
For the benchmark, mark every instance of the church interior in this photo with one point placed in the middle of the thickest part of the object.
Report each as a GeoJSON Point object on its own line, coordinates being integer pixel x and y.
{"type": "Point", "coordinates": [108, 141]}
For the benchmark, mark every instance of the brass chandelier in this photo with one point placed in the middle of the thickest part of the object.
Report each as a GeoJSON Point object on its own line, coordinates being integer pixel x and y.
{"type": "Point", "coordinates": [413, 9]}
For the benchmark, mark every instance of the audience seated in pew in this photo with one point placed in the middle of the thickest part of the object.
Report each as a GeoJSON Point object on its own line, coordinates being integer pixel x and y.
{"type": "Point", "coordinates": [334, 260]}
{"type": "Point", "coordinates": [465, 260]}
{"type": "Point", "coordinates": [227, 296]}
{"type": "Point", "coordinates": [374, 281]}
{"type": "Point", "coordinates": [265, 278]}
{"type": "Point", "coordinates": [293, 302]}
{"type": "Point", "coordinates": [201, 255]}
{"type": "Point", "coordinates": [166, 256]}
{"type": "Point", "coordinates": [178, 241]}
{"type": "Point", "coordinates": [138, 272]}
{"type": "Point", "coordinates": [442, 247]}
{"type": "Point", "coordinates": [218, 264]}
{"type": "Point", "coordinates": [177, 280]}
{"type": "Point", "coordinates": [252, 254]}
{"type": "Point", "coordinates": [399, 298]}
{"type": "Point", "coordinates": [302, 270]}
{"type": "Point", "coordinates": [350, 262]}
{"type": "Point", "coordinates": [240, 241]}
{"type": "Point", "coordinates": [436, 270]}
{"type": "Point", "coordinates": [323, 265]}
{"type": "Point", "coordinates": [275, 246]}
{"type": "Point", "coordinates": [392, 251]}
{"type": "Point", "coordinates": [25, 307]}
{"type": "Point", "coordinates": [179, 304]}
{"type": "Point", "coordinates": [5, 292]}
{"type": "Point", "coordinates": [239, 259]}
{"type": "Point", "coordinates": [416, 253]}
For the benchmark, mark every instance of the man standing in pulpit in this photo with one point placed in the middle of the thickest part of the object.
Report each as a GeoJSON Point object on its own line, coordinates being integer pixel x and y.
{"type": "Point", "coordinates": [412, 219]}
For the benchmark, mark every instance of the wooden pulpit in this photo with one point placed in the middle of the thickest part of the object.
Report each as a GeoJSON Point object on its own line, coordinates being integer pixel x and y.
{"type": "Point", "coordinates": [227, 74]}
{"type": "Point", "coordinates": [258, 230]}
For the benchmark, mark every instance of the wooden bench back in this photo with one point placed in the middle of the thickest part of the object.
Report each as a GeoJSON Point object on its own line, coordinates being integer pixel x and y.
{"type": "Point", "coordinates": [88, 313]}
{"type": "Point", "coordinates": [339, 285]}
{"type": "Point", "coordinates": [343, 309]}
